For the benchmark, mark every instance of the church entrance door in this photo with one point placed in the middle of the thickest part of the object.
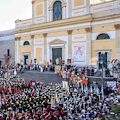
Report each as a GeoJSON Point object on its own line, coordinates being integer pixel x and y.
{"type": "Point", "coordinates": [103, 57]}
{"type": "Point", "coordinates": [56, 53]}
{"type": "Point", "coordinates": [25, 59]}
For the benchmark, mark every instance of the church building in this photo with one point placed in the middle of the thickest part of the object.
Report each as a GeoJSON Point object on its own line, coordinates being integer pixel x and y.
{"type": "Point", "coordinates": [84, 31]}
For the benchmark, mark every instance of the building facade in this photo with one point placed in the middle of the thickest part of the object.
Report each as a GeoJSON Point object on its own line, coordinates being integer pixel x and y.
{"type": "Point", "coordinates": [7, 47]}
{"type": "Point", "coordinates": [69, 29]}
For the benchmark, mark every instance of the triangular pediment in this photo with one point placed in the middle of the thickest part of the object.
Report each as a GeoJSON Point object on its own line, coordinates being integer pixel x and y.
{"type": "Point", "coordinates": [57, 41]}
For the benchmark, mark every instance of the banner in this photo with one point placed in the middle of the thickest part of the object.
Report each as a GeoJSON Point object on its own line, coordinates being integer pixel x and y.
{"type": "Point", "coordinates": [79, 53]}
{"type": "Point", "coordinates": [119, 87]}
{"type": "Point", "coordinates": [6, 59]}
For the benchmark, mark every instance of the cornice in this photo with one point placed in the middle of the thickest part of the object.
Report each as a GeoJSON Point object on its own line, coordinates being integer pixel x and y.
{"type": "Point", "coordinates": [65, 23]}
{"type": "Point", "coordinates": [110, 17]}
{"type": "Point", "coordinates": [62, 23]}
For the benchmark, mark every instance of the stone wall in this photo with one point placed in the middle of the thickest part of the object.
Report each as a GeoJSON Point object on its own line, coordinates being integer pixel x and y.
{"type": "Point", "coordinates": [7, 42]}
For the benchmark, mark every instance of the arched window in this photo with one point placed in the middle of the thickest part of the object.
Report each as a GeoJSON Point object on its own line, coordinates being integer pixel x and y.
{"type": "Point", "coordinates": [26, 43]}
{"type": "Point", "coordinates": [103, 36]}
{"type": "Point", "coordinates": [57, 11]}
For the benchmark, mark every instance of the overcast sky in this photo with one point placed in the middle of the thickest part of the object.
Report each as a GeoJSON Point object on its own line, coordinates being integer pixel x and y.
{"type": "Point", "coordinates": [11, 10]}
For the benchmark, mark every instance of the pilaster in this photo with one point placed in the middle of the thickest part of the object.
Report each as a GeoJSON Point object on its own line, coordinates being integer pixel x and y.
{"type": "Point", "coordinates": [87, 6]}
{"type": "Point", "coordinates": [69, 8]}
{"type": "Point", "coordinates": [33, 2]}
{"type": "Point", "coordinates": [45, 10]}
{"type": "Point", "coordinates": [45, 47]}
{"type": "Point", "coordinates": [64, 11]}
{"type": "Point", "coordinates": [70, 44]}
{"type": "Point", "coordinates": [17, 52]}
{"type": "Point", "coordinates": [117, 28]}
{"type": "Point", "coordinates": [32, 48]}
{"type": "Point", "coordinates": [88, 45]}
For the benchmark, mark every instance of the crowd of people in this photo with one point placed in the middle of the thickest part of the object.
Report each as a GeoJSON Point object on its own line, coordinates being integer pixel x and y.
{"type": "Point", "coordinates": [88, 71]}
{"type": "Point", "coordinates": [33, 100]}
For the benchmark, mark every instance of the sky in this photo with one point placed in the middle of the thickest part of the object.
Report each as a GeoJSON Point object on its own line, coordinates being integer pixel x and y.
{"type": "Point", "coordinates": [11, 10]}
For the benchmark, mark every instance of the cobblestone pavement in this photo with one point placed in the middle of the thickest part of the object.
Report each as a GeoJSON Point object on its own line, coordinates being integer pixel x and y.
{"type": "Point", "coordinates": [45, 77]}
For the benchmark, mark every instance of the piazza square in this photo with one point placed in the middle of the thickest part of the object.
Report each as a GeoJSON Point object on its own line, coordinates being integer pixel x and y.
{"type": "Point", "coordinates": [63, 63]}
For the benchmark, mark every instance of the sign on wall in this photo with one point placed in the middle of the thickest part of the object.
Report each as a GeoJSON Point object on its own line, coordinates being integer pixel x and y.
{"type": "Point", "coordinates": [79, 53]}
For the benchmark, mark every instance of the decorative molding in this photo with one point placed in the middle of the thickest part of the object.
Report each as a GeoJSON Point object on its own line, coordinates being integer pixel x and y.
{"type": "Point", "coordinates": [32, 36]}
{"type": "Point", "coordinates": [17, 38]}
{"type": "Point", "coordinates": [57, 41]}
{"type": "Point", "coordinates": [117, 26]}
{"type": "Point", "coordinates": [33, 2]}
{"type": "Point", "coordinates": [45, 35]}
{"type": "Point", "coordinates": [70, 32]}
{"type": "Point", "coordinates": [89, 29]}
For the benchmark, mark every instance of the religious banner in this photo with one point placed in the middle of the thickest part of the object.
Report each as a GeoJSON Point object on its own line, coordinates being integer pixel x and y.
{"type": "Point", "coordinates": [65, 84]}
{"type": "Point", "coordinates": [6, 59]}
{"type": "Point", "coordinates": [79, 53]}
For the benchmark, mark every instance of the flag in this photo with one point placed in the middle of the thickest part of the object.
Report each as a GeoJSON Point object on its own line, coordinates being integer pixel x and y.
{"type": "Point", "coordinates": [119, 87]}
{"type": "Point", "coordinates": [6, 59]}
{"type": "Point", "coordinates": [10, 90]}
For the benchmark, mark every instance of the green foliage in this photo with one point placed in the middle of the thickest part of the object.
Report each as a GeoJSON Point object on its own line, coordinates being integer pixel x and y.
{"type": "Point", "coordinates": [116, 108]}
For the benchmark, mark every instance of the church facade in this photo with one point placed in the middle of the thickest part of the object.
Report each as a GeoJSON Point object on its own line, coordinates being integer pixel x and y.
{"type": "Point", "coordinates": [69, 29]}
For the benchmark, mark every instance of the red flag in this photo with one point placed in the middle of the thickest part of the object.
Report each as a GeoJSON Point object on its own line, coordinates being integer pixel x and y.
{"type": "Point", "coordinates": [6, 59]}
{"type": "Point", "coordinates": [10, 90]}
{"type": "Point", "coordinates": [5, 100]}
{"type": "Point", "coordinates": [119, 87]}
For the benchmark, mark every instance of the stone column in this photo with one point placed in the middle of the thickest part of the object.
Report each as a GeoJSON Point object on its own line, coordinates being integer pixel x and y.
{"type": "Point", "coordinates": [45, 47]}
{"type": "Point", "coordinates": [70, 44]}
{"type": "Point", "coordinates": [17, 52]}
{"type": "Point", "coordinates": [33, 2]}
{"type": "Point", "coordinates": [69, 8]}
{"type": "Point", "coordinates": [32, 48]}
{"type": "Point", "coordinates": [117, 27]}
{"type": "Point", "coordinates": [88, 45]}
